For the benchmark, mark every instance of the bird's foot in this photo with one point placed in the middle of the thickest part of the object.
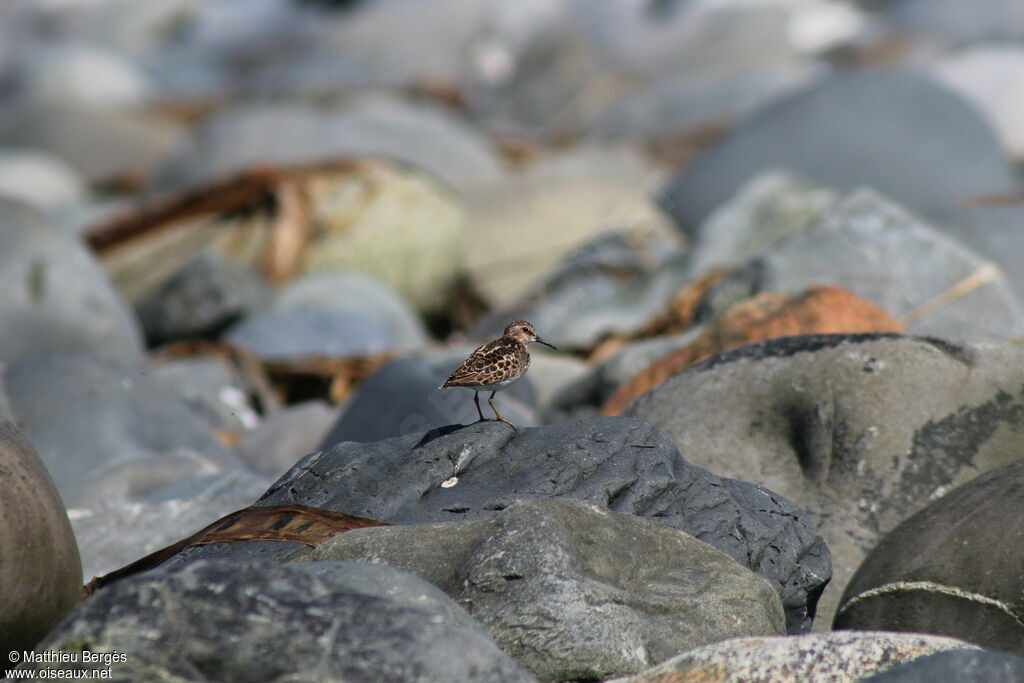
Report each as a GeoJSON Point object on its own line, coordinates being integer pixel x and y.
{"type": "Point", "coordinates": [502, 419]}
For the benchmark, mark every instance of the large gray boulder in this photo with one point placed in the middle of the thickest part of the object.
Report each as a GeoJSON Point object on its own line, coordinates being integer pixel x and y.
{"type": "Point", "coordinates": [56, 296]}
{"type": "Point", "coordinates": [964, 666]}
{"type": "Point", "coordinates": [859, 430]}
{"type": "Point", "coordinates": [572, 591]}
{"type": "Point", "coordinates": [880, 252]}
{"type": "Point", "coordinates": [40, 571]}
{"type": "Point", "coordinates": [472, 473]}
{"type": "Point", "coordinates": [403, 397]}
{"type": "Point", "coordinates": [953, 568]}
{"type": "Point", "coordinates": [108, 431]}
{"type": "Point", "coordinates": [841, 131]}
{"type": "Point", "coordinates": [253, 622]}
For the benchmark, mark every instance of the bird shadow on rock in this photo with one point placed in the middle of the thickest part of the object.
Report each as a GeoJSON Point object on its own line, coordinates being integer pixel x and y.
{"type": "Point", "coordinates": [438, 432]}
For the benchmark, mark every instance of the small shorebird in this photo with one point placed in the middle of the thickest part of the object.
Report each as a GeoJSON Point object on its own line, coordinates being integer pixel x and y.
{"type": "Point", "coordinates": [496, 365]}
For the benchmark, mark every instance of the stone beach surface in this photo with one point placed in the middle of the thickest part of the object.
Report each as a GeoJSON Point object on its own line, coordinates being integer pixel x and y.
{"type": "Point", "coordinates": [778, 247]}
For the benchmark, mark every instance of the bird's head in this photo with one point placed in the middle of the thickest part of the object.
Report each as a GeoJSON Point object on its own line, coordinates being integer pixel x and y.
{"type": "Point", "coordinates": [522, 331]}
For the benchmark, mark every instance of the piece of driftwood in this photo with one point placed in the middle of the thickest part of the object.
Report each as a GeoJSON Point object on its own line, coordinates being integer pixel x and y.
{"type": "Point", "coordinates": [297, 523]}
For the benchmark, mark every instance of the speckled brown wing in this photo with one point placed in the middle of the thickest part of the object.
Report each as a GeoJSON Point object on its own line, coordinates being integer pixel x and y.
{"type": "Point", "coordinates": [496, 361]}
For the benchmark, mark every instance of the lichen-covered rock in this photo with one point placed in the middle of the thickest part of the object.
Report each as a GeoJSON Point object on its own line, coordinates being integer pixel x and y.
{"type": "Point", "coordinates": [954, 568]}
{"type": "Point", "coordinates": [572, 591]}
{"type": "Point", "coordinates": [473, 472]}
{"type": "Point", "coordinates": [859, 430]}
{"type": "Point", "coordinates": [840, 656]}
{"type": "Point", "coordinates": [225, 621]}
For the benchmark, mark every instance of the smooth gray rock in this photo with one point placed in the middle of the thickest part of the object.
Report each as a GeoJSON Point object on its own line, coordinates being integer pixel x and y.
{"type": "Point", "coordinates": [572, 591]}
{"type": "Point", "coordinates": [292, 335]}
{"type": "Point", "coordinates": [992, 232]}
{"type": "Point", "coordinates": [964, 666]}
{"type": "Point", "coordinates": [953, 22]}
{"type": "Point", "coordinates": [992, 77]}
{"type": "Point", "coordinates": [40, 575]}
{"type": "Point", "coordinates": [285, 436]}
{"type": "Point", "coordinates": [211, 387]}
{"type": "Point", "coordinates": [471, 473]}
{"type": "Point", "coordinates": [773, 205]}
{"type": "Point", "coordinates": [954, 568]}
{"type": "Point", "coordinates": [56, 296]}
{"type": "Point", "coordinates": [225, 621]}
{"type": "Point", "coordinates": [584, 396]}
{"type": "Point", "coordinates": [878, 251]}
{"type": "Point", "coordinates": [64, 73]}
{"type": "Point", "coordinates": [859, 430]}
{"type": "Point", "coordinates": [39, 179]}
{"type": "Point", "coordinates": [841, 132]}
{"type": "Point", "coordinates": [684, 37]}
{"type": "Point", "coordinates": [98, 143]}
{"type": "Point", "coordinates": [403, 398]}
{"type": "Point", "coordinates": [347, 291]}
{"type": "Point", "coordinates": [416, 134]}
{"type": "Point", "coordinates": [693, 102]}
{"type": "Point", "coordinates": [609, 285]}
{"type": "Point", "coordinates": [202, 299]}
{"type": "Point", "coordinates": [107, 431]}
{"type": "Point", "coordinates": [562, 212]}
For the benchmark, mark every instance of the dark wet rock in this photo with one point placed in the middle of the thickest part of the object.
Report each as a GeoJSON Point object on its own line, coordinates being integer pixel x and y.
{"type": "Point", "coordinates": [572, 591]}
{"type": "Point", "coordinates": [40, 576]}
{"type": "Point", "coordinates": [844, 656]}
{"type": "Point", "coordinates": [842, 132]}
{"type": "Point", "coordinates": [964, 666]}
{"type": "Point", "coordinates": [859, 430]}
{"type": "Point", "coordinates": [260, 622]}
{"type": "Point", "coordinates": [954, 568]}
{"type": "Point", "coordinates": [202, 299]}
{"type": "Point", "coordinates": [471, 473]}
{"type": "Point", "coordinates": [285, 435]}
{"type": "Point", "coordinates": [403, 398]}
{"type": "Point", "coordinates": [56, 297]}
{"type": "Point", "coordinates": [105, 430]}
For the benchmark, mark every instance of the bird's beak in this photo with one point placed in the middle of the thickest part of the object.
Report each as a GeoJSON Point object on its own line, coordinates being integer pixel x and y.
{"type": "Point", "coordinates": [541, 341]}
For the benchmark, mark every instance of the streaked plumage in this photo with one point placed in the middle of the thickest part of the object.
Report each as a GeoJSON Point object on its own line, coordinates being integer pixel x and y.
{"type": "Point", "coordinates": [495, 365]}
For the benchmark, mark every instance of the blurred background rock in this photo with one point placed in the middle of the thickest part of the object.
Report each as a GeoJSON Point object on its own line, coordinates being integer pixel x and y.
{"type": "Point", "coordinates": [233, 232]}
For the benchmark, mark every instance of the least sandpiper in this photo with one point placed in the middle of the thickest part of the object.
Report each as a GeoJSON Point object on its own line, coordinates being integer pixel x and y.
{"type": "Point", "coordinates": [496, 365]}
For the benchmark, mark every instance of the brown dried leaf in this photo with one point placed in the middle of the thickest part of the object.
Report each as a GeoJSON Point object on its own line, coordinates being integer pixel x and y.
{"type": "Point", "coordinates": [819, 310]}
{"type": "Point", "coordinates": [296, 523]}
